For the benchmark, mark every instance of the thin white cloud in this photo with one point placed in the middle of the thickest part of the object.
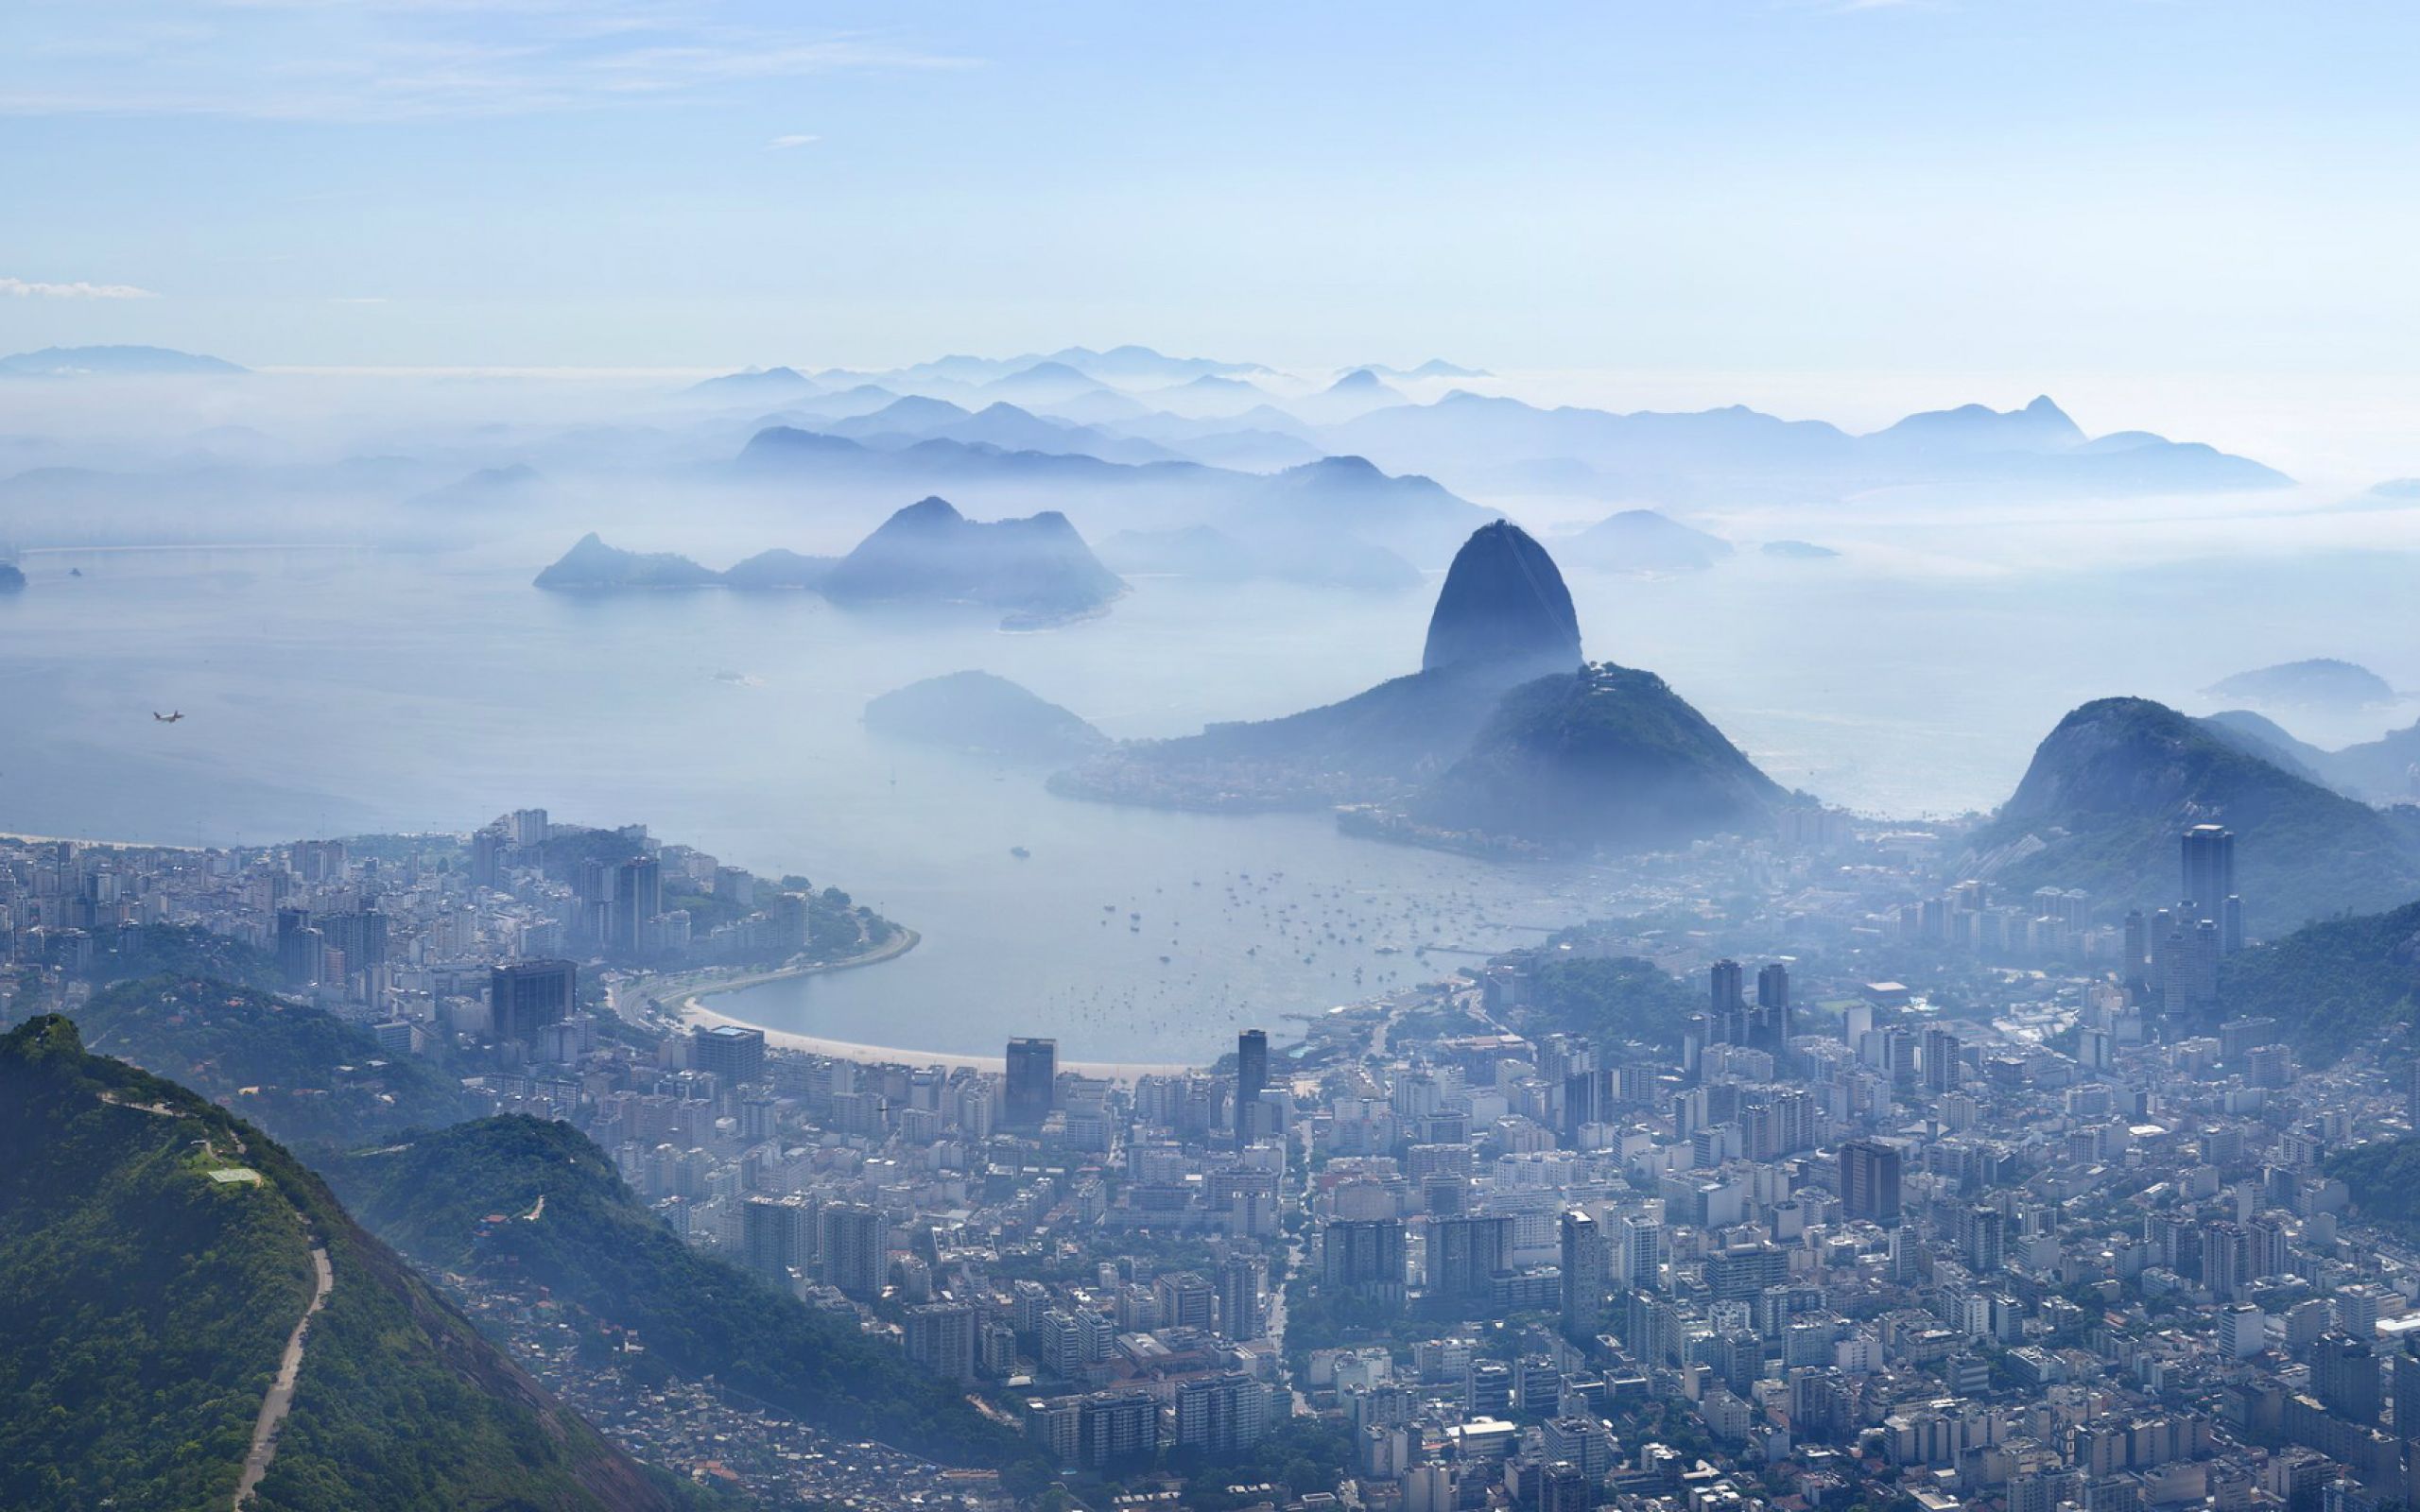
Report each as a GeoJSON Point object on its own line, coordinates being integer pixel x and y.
{"type": "Point", "coordinates": [29, 290]}
{"type": "Point", "coordinates": [379, 60]}
{"type": "Point", "coordinates": [784, 144]}
{"type": "Point", "coordinates": [357, 299]}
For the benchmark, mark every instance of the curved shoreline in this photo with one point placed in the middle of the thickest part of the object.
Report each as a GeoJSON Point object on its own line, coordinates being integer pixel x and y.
{"type": "Point", "coordinates": [692, 1012]}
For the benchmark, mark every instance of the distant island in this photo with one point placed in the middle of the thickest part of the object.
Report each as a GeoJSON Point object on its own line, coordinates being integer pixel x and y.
{"type": "Point", "coordinates": [983, 714]}
{"type": "Point", "coordinates": [1505, 742]}
{"type": "Point", "coordinates": [111, 362]}
{"type": "Point", "coordinates": [2320, 683]}
{"type": "Point", "coordinates": [591, 564]}
{"type": "Point", "coordinates": [12, 579]}
{"type": "Point", "coordinates": [1037, 571]}
{"type": "Point", "coordinates": [1798, 551]}
{"type": "Point", "coordinates": [1643, 541]}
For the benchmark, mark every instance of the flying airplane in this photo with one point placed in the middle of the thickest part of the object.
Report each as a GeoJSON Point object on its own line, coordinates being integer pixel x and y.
{"type": "Point", "coordinates": [167, 719]}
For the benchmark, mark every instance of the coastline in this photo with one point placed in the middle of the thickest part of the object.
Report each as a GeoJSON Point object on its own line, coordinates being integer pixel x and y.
{"type": "Point", "coordinates": [697, 1015]}
{"type": "Point", "coordinates": [107, 845]}
{"type": "Point", "coordinates": [692, 1012]}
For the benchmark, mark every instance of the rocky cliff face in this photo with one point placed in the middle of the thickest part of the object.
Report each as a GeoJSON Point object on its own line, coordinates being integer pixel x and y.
{"type": "Point", "coordinates": [1503, 603]}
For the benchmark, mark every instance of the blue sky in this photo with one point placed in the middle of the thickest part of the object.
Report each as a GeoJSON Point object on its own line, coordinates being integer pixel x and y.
{"type": "Point", "coordinates": [1936, 185]}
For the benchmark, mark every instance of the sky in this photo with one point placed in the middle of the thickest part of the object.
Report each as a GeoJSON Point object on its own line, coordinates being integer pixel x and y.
{"type": "Point", "coordinates": [2133, 193]}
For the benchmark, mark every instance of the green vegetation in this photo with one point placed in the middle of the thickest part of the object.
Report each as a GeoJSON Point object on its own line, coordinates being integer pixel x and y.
{"type": "Point", "coordinates": [2332, 986]}
{"type": "Point", "coordinates": [2114, 786]}
{"type": "Point", "coordinates": [2384, 1179]}
{"type": "Point", "coordinates": [307, 1077]}
{"type": "Point", "coordinates": [144, 1307]}
{"type": "Point", "coordinates": [1305, 1455]}
{"type": "Point", "coordinates": [598, 1248]}
{"type": "Point", "coordinates": [1605, 1000]}
{"type": "Point", "coordinates": [180, 950]}
{"type": "Point", "coordinates": [1608, 755]}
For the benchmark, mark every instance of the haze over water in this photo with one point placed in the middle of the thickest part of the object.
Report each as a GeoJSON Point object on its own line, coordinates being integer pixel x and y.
{"type": "Point", "coordinates": [343, 690]}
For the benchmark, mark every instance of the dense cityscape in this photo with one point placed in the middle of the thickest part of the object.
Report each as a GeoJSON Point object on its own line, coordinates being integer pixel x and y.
{"type": "Point", "coordinates": [1080, 757]}
{"type": "Point", "coordinates": [2036, 1227]}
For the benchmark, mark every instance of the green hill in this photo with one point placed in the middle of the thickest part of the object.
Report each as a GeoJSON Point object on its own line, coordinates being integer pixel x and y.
{"type": "Point", "coordinates": [2335, 984]}
{"type": "Point", "coordinates": [2111, 787]}
{"type": "Point", "coordinates": [1605, 756]}
{"type": "Point", "coordinates": [600, 1248]}
{"type": "Point", "coordinates": [181, 950]}
{"type": "Point", "coordinates": [307, 1077]}
{"type": "Point", "coordinates": [2384, 1181]}
{"type": "Point", "coordinates": [146, 1301]}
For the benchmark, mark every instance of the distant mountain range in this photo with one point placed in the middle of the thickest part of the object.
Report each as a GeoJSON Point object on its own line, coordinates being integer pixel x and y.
{"type": "Point", "coordinates": [2111, 788]}
{"type": "Point", "coordinates": [111, 362]}
{"type": "Point", "coordinates": [1296, 510]}
{"type": "Point", "coordinates": [1035, 571]}
{"type": "Point", "coordinates": [1738, 452]}
{"type": "Point", "coordinates": [2385, 770]}
{"type": "Point", "coordinates": [1227, 414]}
{"type": "Point", "coordinates": [1505, 741]}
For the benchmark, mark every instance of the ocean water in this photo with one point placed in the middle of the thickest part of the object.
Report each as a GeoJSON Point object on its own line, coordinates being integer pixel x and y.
{"type": "Point", "coordinates": [338, 691]}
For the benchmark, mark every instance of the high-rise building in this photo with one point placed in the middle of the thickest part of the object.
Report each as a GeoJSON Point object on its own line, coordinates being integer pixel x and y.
{"type": "Point", "coordinates": [1770, 1029]}
{"type": "Point", "coordinates": [1222, 1414]}
{"type": "Point", "coordinates": [1251, 1078]}
{"type": "Point", "coordinates": [302, 948]}
{"type": "Point", "coordinates": [941, 1339]}
{"type": "Point", "coordinates": [2208, 852]}
{"type": "Point", "coordinates": [1982, 1237]}
{"type": "Point", "coordinates": [1186, 1300]}
{"type": "Point", "coordinates": [1118, 1426]}
{"type": "Point", "coordinates": [777, 1234]}
{"type": "Point", "coordinates": [1365, 1257]}
{"type": "Point", "coordinates": [1728, 984]}
{"type": "Point", "coordinates": [1870, 1178]}
{"type": "Point", "coordinates": [525, 996]}
{"type": "Point", "coordinates": [1242, 1276]}
{"type": "Point", "coordinates": [853, 1250]}
{"type": "Point", "coordinates": [2344, 1374]}
{"type": "Point", "coordinates": [1639, 1264]}
{"type": "Point", "coordinates": [1585, 1274]}
{"type": "Point", "coordinates": [2189, 967]}
{"type": "Point", "coordinates": [638, 896]}
{"type": "Point", "coordinates": [1942, 1068]}
{"type": "Point", "coordinates": [487, 858]}
{"type": "Point", "coordinates": [1032, 1083]}
{"type": "Point", "coordinates": [1465, 1253]}
{"type": "Point", "coordinates": [732, 1052]}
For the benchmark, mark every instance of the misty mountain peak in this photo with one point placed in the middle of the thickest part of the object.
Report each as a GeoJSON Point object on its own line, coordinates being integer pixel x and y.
{"type": "Point", "coordinates": [931, 510]}
{"type": "Point", "coordinates": [1504, 602]}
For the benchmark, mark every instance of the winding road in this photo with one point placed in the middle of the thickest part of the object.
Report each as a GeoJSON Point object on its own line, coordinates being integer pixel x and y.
{"type": "Point", "coordinates": [281, 1391]}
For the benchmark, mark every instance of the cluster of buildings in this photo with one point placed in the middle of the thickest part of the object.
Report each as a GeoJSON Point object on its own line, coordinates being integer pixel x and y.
{"type": "Point", "coordinates": [430, 938]}
{"type": "Point", "coordinates": [2170, 954]}
{"type": "Point", "coordinates": [1822, 1246]}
